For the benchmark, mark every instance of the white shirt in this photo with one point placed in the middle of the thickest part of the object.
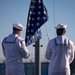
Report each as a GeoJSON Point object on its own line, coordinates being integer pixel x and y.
{"type": "Point", "coordinates": [60, 52]}
{"type": "Point", "coordinates": [14, 49]}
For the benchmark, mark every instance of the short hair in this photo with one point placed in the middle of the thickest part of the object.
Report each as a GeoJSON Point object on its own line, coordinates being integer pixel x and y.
{"type": "Point", "coordinates": [15, 29]}
{"type": "Point", "coordinates": [60, 31]}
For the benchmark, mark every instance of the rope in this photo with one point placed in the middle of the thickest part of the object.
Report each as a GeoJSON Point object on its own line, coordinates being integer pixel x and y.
{"type": "Point", "coordinates": [54, 15]}
{"type": "Point", "coordinates": [54, 10]}
{"type": "Point", "coordinates": [47, 33]}
{"type": "Point", "coordinates": [54, 21]}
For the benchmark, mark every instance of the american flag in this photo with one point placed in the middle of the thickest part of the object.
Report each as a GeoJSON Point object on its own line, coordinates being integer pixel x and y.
{"type": "Point", "coordinates": [36, 18]}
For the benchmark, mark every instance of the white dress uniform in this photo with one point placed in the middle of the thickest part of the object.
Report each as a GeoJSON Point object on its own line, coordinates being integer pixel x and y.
{"type": "Point", "coordinates": [60, 52]}
{"type": "Point", "coordinates": [14, 50]}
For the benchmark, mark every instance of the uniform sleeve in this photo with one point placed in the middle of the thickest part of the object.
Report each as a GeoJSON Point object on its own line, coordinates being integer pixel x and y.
{"type": "Point", "coordinates": [3, 47]}
{"type": "Point", "coordinates": [72, 56]}
{"type": "Point", "coordinates": [48, 51]}
{"type": "Point", "coordinates": [24, 51]}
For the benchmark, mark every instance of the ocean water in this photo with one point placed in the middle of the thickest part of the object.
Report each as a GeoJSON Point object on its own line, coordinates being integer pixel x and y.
{"type": "Point", "coordinates": [29, 68]}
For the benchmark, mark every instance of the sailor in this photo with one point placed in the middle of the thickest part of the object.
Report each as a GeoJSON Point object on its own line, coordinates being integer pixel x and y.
{"type": "Point", "coordinates": [14, 49]}
{"type": "Point", "coordinates": [60, 51]}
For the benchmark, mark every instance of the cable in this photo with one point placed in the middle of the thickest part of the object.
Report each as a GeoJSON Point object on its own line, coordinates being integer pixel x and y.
{"type": "Point", "coordinates": [47, 33]}
{"type": "Point", "coordinates": [54, 15]}
{"type": "Point", "coordinates": [54, 21]}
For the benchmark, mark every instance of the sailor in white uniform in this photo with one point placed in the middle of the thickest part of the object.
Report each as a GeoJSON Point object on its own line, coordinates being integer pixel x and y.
{"type": "Point", "coordinates": [14, 49]}
{"type": "Point", "coordinates": [60, 52]}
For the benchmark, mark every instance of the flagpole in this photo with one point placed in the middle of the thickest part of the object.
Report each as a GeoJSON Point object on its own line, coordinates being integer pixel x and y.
{"type": "Point", "coordinates": [37, 58]}
{"type": "Point", "coordinates": [36, 18]}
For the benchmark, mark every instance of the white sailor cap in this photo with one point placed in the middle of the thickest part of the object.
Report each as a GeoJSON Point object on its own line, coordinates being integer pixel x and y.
{"type": "Point", "coordinates": [59, 26]}
{"type": "Point", "coordinates": [18, 26]}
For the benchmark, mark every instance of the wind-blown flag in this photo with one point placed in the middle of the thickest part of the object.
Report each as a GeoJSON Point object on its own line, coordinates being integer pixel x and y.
{"type": "Point", "coordinates": [36, 18]}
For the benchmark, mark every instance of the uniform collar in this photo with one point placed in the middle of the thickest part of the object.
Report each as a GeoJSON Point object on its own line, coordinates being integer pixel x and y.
{"type": "Point", "coordinates": [11, 38]}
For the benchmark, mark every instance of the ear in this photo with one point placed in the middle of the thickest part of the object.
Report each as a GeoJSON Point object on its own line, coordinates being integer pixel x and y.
{"type": "Point", "coordinates": [65, 31]}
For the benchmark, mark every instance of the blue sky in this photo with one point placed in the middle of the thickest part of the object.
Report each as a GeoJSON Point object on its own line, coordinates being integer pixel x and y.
{"type": "Point", "coordinates": [16, 11]}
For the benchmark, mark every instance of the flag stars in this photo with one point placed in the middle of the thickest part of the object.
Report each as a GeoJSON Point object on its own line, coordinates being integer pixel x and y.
{"type": "Point", "coordinates": [33, 19]}
{"type": "Point", "coordinates": [38, 30]}
{"type": "Point", "coordinates": [45, 12]}
{"type": "Point", "coordinates": [44, 18]}
{"type": "Point", "coordinates": [39, 12]}
{"type": "Point", "coordinates": [29, 18]}
{"type": "Point", "coordinates": [28, 31]}
{"type": "Point", "coordinates": [28, 24]}
{"type": "Point", "coordinates": [37, 35]}
{"type": "Point", "coordinates": [38, 24]}
{"type": "Point", "coordinates": [34, 1]}
{"type": "Point", "coordinates": [39, 1]}
{"type": "Point", "coordinates": [32, 7]}
{"type": "Point", "coordinates": [38, 18]}
{"type": "Point", "coordinates": [32, 31]}
{"type": "Point", "coordinates": [30, 12]}
{"type": "Point", "coordinates": [33, 37]}
{"type": "Point", "coordinates": [27, 37]}
{"type": "Point", "coordinates": [32, 24]}
{"type": "Point", "coordinates": [39, 7]}
{"type": "Point", "coordinates": [33, 13]}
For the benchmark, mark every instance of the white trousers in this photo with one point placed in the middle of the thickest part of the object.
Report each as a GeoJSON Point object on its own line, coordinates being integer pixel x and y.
{"type": "Point", "coordinates": [15, 70]}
